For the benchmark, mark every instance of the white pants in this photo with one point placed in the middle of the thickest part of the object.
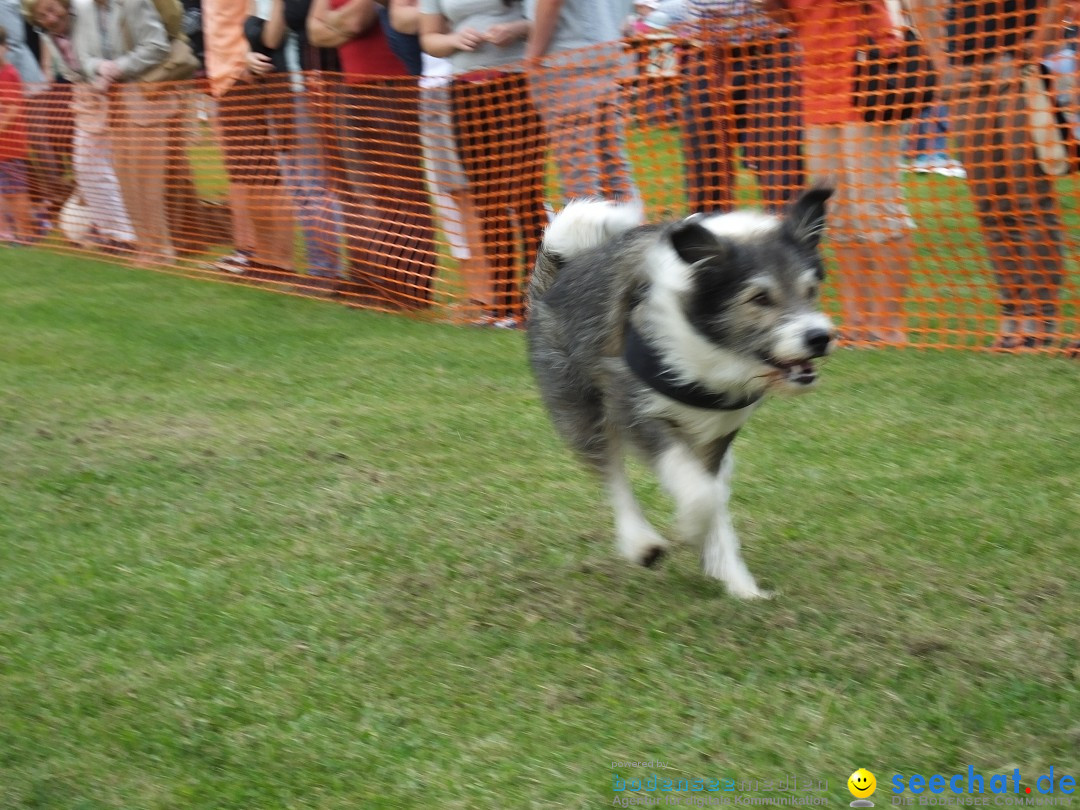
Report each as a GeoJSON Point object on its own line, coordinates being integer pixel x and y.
{"type": "Point", "coordinates": [98, 186]}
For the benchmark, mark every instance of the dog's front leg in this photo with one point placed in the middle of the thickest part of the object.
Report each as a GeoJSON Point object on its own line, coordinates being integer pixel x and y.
{"type": "Point", "coordinates": [635, 537]}
{"type": "Point", "coordinates": [701, 499]}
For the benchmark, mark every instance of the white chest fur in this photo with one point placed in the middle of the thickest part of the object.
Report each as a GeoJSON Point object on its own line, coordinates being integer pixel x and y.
{"type": "Point", "coordinates": [702, 426]}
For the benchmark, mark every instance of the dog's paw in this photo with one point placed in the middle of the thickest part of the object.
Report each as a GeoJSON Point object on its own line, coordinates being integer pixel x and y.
{"type": "Point", "coordinates": [653, 556]}
{"type": "Point", "coordinates": [737, 579]}
{"type": "Point", "coordinates": [753, 592]}
{"type": "Point", "coordinates": [645, 548]}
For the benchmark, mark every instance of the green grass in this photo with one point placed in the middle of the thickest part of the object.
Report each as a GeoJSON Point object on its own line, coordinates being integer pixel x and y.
{"type": "Point", "coordinates": [264, 552]}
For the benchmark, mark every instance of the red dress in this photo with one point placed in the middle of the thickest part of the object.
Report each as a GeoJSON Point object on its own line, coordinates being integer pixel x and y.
{"type": "Point", "coordinates": [13, 142]}
{"type": "Point", "coordinates": [368, 54]}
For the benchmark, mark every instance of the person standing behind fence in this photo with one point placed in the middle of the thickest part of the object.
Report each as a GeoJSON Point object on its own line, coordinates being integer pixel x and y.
{"type": "Point", "coordinates": [498, 134]}
{"type": "Point", "coordinates": [743, 90]}
{"type": "Point", "coordinates": [262, 217]}
{"type": "Point", "coordinates": [577, 91]}
{"type": "Point", "coordinates": [980, 54]}
{"type": "Point", "coordinates": [45, 114]}
{"type": "Point", "coordinates": [72, 36]}
{"type": "Point", "coordinates": [389, 231]}
{"type": "Point", "coordinates": [450, 199]}
{"type": "Point", "coordinates": [289, 117]}
{"type": "Point", "coordinates": [133, 39]}
{"type": "Point", "coordinates": [868, 220]}
{"type": "Point", "coordinates": [14, 151]}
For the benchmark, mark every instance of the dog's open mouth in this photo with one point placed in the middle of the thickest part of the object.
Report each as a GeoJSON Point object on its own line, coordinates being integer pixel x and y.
{"type": "Point", "coordinates": [799, 372]}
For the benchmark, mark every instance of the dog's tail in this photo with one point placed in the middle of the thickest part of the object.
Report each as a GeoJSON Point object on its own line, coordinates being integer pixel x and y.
{"type": "Point", "coordinates": [580, 226]}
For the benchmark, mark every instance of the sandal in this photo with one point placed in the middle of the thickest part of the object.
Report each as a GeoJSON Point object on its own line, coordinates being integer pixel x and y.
{"type": "Point", "coordinates": [1013, 343]}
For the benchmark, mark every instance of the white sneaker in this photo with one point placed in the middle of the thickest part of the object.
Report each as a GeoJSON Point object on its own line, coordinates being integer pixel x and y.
{"type": "Point", "coordinates": [952, 169]}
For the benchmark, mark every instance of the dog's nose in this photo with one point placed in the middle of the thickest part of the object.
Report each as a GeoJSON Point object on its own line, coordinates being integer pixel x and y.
{"type": "Point", "coordinates": [817, 340]}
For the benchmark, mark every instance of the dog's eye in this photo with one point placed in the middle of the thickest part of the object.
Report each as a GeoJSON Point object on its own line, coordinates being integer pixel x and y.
{"type": "Point", "coordinates": [762, 299]}
{"type": "Point", "coordinates": [812, 292]}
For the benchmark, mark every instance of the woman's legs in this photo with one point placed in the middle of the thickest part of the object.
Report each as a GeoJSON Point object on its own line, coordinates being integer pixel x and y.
{"type": "Point", "coordinates": [501, 146]}
{"type": "Point", "coordinates": [1017, 205]}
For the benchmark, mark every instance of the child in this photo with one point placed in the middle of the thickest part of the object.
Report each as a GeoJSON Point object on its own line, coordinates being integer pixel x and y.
{"type": "Point", "coordinates": [14, 153]}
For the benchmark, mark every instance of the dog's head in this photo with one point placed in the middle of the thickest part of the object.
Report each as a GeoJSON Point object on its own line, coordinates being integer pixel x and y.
{"type": "Point", "coordinates": [744, 295]}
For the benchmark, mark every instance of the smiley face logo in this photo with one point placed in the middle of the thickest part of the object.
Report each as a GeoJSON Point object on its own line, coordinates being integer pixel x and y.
{"type": "Point", "coordinates": [862, 783]}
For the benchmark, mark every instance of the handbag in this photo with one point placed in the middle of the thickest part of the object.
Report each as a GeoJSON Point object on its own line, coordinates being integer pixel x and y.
{"type": "Point", "coordinates": [181, 63]}
{"type": "Point", "coordinates": [1056, 149]}
{"type": "Point", "coordinates": [894, 89]}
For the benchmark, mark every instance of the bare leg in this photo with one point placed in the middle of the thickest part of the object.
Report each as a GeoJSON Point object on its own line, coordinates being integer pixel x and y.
{"type": "Point", "coordinates": [475, 271]}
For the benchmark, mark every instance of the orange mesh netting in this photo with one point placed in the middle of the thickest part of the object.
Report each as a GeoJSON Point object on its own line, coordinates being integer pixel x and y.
{"type": "Point", "coordinates": [951, 225]}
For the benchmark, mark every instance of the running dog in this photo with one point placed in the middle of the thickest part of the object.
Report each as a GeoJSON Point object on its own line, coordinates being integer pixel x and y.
{"type": "Point", "coordinates": [664, 339]}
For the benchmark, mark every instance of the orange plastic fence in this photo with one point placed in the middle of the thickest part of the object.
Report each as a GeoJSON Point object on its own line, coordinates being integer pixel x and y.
{"type": "Point", "coordinates": [431, 196]}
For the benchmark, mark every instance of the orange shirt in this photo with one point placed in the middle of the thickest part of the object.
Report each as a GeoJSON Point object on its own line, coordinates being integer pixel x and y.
{"type": "Point", "coordinates": [223, 42]}
{"type": "Point", "coordinates": [830, 32]}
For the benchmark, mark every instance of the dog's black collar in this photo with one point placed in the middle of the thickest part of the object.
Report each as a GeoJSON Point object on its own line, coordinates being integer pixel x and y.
{"type": "Point", "coordinates": [648, 367]}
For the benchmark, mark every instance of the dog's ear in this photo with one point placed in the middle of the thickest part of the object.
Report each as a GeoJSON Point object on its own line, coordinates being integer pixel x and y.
{"type": "Point", "coordinates": [806, 216]}
{"type": "Point", "coordinates": [694, 242]}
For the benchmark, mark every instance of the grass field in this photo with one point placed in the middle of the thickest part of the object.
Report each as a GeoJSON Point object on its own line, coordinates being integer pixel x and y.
{"type": "Point", "coordinates": [263, 552]}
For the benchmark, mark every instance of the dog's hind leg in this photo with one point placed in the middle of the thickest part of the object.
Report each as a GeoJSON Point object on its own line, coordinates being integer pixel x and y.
{"type": "Point", "coordinates": [701, 500]}
{"type": "Point", "coordinates": [635, 537]}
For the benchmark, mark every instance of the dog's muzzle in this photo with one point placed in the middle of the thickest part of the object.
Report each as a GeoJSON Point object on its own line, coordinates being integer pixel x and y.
{"type": "Point", "coordinates": [801, 371]}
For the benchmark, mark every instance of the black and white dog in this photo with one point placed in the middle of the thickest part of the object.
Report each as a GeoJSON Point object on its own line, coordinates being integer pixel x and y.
{"type": "Point", "coordinates": [664, 339]}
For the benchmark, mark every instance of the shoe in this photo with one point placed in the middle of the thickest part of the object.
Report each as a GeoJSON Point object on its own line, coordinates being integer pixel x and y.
{"type": "Point", "coordinates": [923, 164]}
{"type": "Point", "coordinates": [952, 168]}
{"type": "Point", "coordinates": [887, 337]}
{"type": "Point", "coordinates": [1016, 343]}
{"type": "Point", "coordinates": [237, 263]}
{"type": "Point", "coordinates": [492, 321]}
{"type": "Point", "coordinates": [116, 247]}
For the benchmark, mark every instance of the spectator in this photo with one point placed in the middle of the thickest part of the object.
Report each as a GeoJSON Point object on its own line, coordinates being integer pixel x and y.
{"type": "Point", "coordinates": [446, 178]}
{"type": "Point", "coordinates": [868, 220]}
{"type": "Point", "coordinates": [389, 231]}
{"type": "Point", "coordinates": [289, 120]}
{"type": "Point", "coordinates": [577, 92]}
{"type": "Point", "coordinates": [132, 39]}
{"type": "Point", "coordinates": [45, 114]}
{"type": "Point", "coordinates": [113, 46]}
{"type": "Point", "coordinates": [262, 219]}
{"type": "Point", "coordinates": [980, 49]}
{"type": "Point", "coordinates": [69, 43]}
{"type": "Point", "coordinates": [14, 152]}
{"type": "Point", "coordinates": [498, 134]}
{"type": "Point", "coordinates": [744, 91]}
{"type": "Point", "coordinates": [450, 187]}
